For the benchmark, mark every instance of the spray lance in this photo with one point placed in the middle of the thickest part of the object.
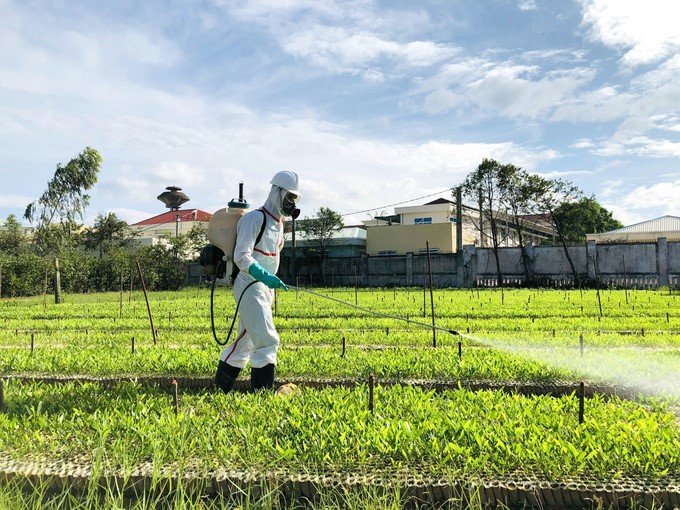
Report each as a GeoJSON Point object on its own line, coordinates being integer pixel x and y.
{"type": "Point", "coordinates": [380, 314]}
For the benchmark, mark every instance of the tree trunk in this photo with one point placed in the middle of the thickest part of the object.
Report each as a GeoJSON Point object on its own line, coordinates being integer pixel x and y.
{"type": "Point", "coordinates": [525, 258]}
{"type": "Point", "coordinates": [577, 278]}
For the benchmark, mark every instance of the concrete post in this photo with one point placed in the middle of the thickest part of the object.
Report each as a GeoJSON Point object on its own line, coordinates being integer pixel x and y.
{"type": "Point", "coordinates": [662, 261]}
{"type": "Point", "coordinates": [591, 258]}
{"type": "Point", "coordinates": [459, 220]}
{"type": "Point", "coordinates": [470, 265]}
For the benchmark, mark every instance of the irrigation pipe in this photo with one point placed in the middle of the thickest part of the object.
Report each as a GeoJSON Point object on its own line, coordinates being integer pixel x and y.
{"type": "Point", "coordinates": [381, 314]}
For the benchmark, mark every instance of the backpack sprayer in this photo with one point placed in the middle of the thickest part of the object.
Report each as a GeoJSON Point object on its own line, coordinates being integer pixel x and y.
{"type": "Point", "coordinates": [217, 258]}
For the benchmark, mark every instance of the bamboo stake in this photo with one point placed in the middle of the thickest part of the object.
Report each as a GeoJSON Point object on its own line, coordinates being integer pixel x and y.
{"type": "Point", "coordinates": [175, 396]}
{"type": "Point", "coordinates": [120, 306]}
{"type": "Point", "coordinates": [429, 270]}
{"type": "Point", "coordinates": [146, 298]}
{"type": "Point", "coordinates": [371, 383]}
{"type": "Point", "coordinates": [581, 397]}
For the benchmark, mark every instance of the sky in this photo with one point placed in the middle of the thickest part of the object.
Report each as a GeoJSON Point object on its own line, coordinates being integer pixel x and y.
{"type": "Point", "coordinates": [374, 103]}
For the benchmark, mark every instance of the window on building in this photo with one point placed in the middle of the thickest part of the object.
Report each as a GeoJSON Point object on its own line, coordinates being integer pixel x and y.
{"type": "Point", "coordinates": [423, 251]}
{"type": "Point", "coordinates": [423, 221]}
{"type": "Point", "coordinates": [387, 252]}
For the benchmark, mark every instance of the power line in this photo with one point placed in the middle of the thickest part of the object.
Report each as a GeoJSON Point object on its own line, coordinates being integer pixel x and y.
{"type": "Point", "coordinates": [398, 203]}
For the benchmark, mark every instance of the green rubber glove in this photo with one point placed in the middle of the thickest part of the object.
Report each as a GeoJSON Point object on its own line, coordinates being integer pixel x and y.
{"type": "Point", "coordinates": [262, 275]}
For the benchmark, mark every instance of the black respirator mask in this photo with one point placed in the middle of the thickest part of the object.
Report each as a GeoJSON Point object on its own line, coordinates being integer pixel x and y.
{"type": "Point", "coordinates": [289, 205]}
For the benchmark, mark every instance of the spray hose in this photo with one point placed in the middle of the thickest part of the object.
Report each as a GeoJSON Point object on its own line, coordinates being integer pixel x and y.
{"type": "Point", "coordinates": [212, 311]}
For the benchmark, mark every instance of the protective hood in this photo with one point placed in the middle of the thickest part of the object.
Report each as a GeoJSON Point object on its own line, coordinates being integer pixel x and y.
{"type": "Point", "coordinates": [275, 204]}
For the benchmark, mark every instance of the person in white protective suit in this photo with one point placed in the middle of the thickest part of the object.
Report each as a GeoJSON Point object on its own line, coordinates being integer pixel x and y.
{"type": "Point", "coordinates": [257, 340]}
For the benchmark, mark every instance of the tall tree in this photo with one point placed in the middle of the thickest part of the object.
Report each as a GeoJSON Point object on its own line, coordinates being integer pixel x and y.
{"type": "Point", "coordinates": [517, 193]}
{"type": "Point", "coordinates": [65, 199]}
{"type": "Point", "coordinates": [549, 195]}
{"type": "Point", "coordinates": [585, 216]}
{"type": "Point", "coordinates": [484, 185]}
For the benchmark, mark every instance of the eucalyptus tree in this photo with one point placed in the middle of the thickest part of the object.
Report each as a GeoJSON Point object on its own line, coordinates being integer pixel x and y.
{"type": "Point", "coordinates": [64, 201]}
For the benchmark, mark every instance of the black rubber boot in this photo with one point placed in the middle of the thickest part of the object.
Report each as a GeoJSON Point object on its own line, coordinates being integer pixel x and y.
{"type": "Point", "coordinates": [226, 376]}
{"type": "Point", "coordinates": [262, 377]}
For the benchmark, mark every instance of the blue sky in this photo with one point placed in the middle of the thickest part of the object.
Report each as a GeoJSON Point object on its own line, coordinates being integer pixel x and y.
{"type": "Point", "coordinates": [373, 103]}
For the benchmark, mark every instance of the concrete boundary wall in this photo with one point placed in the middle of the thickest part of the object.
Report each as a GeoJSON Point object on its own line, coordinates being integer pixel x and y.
{"type": "Point", "coordinates": [633, 265]}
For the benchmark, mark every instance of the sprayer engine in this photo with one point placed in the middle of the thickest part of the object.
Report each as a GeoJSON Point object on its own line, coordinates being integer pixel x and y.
{"type": "Point", "coordinates": [212, 261]}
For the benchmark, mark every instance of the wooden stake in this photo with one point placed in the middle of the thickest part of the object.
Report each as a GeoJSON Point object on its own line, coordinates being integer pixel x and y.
{"type": "Point", "coordinates": [146, 298]}
{"type": "Point", "coordinates": [371, 383]}
{"type": "Point", "coordinates": [175, 396]}
{"type": "Point", "coordinates": [581, 397]}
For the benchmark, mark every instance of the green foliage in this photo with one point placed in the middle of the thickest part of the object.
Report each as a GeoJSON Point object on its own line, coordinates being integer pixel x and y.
{"type": "Point", "coordinates": [322, 227]}
{"type": "Point", "coordinates": [451, 434]}
{"type": "Point", "coordinates": [13, 239]}
{"type": "Point", "coordinates": [161, 267]}
{"type": "Point", "coordinates": [107, 233]}
{"type": "Point", "coordinates": [64, 200]}
{"type": "Point", "coordinates": [585, 216]}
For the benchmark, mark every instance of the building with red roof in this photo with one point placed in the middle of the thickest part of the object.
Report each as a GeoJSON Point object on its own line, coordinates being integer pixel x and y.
{"type": "Point", "coordinates": [170, 223]}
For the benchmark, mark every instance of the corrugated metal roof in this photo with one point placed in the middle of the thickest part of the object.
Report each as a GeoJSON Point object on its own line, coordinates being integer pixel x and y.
{"type": "Point", "coordinates": [663, 224]}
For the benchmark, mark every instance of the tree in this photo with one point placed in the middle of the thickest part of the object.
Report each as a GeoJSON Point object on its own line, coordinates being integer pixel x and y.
{"type": "Point", "coordinates": [13, 240]}
{"type": "Point", "coordinates": [585, 216]}
{"type": "Point", "coordinates": [321, 229]}
{"type": "Point", "coordinates": [517, 194]}
{"type": "Point", "coordinates": [548, 196]}
{"type": "Point", "coordinates": [65, 200]}
{"type": "Point", "coordinates": [107, 232]}
{"type": "Point", "coordinates": [485, 186]}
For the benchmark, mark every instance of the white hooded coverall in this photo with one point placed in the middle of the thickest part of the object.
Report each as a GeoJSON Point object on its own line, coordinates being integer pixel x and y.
{"type": "Point", "coordinates": [257, 340]}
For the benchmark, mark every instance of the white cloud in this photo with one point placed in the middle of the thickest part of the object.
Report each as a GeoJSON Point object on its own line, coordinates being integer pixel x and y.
{"type": "Point", "coordinates": [583, 143]}
{"type": "Point", "coordinates": [663, 194]}
{"type": "Point", "coordinates": [527, 5]}
{"type": "Point", "coordinates": [20, 201]}
{"type": "Point", "coordinates": [341, 50]}
{"type": "Point", "coordinates": [639, 146]}
{"type": "Point", "coordinates": [503, 88]}
{"type": "Point", "coordinates": [645, 31]}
